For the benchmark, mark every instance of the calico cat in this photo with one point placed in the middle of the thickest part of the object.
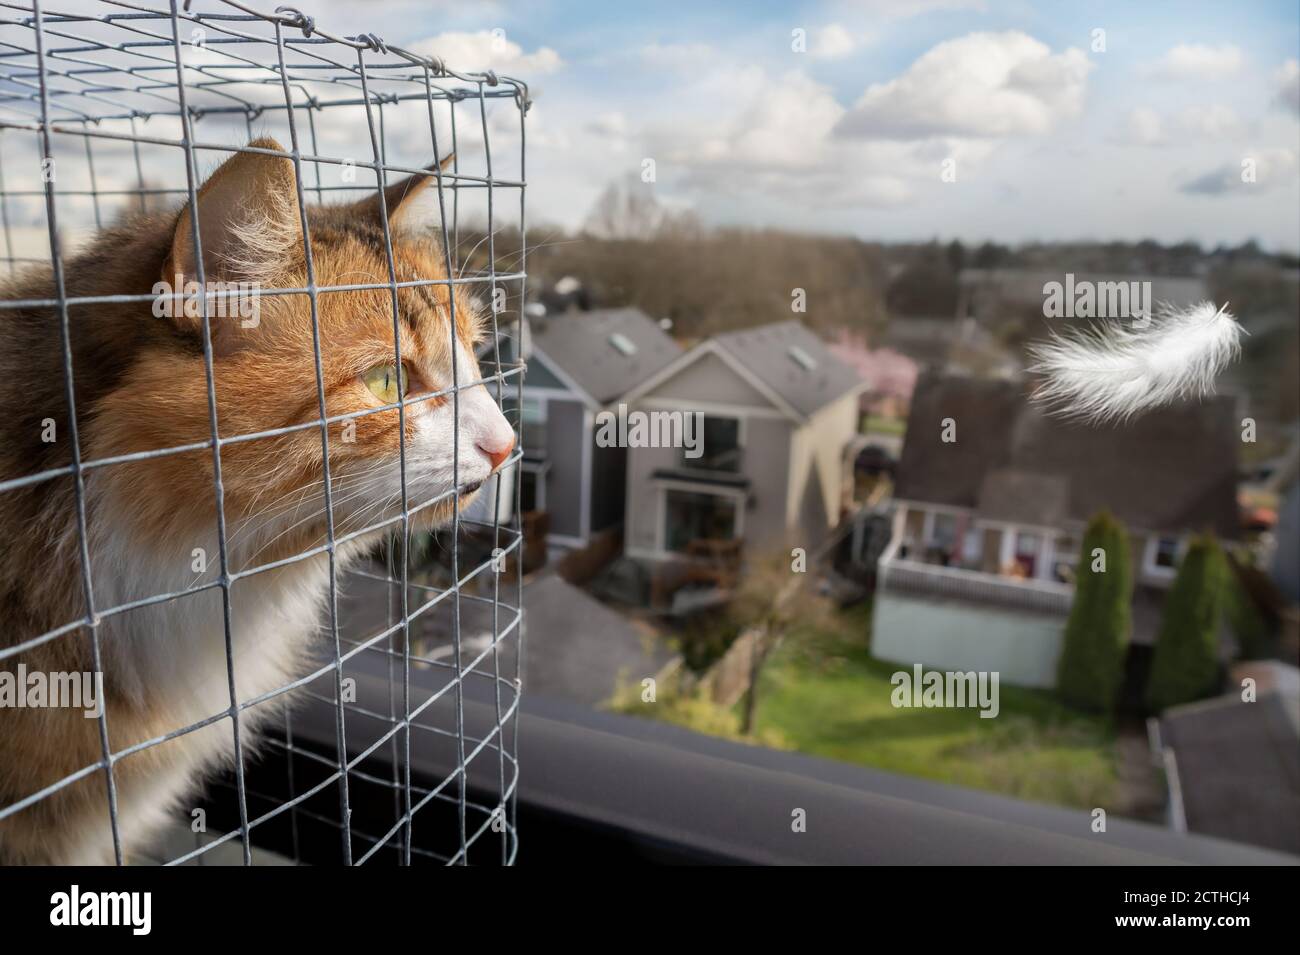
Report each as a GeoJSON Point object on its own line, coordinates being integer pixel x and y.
{"type": "Point", "coordinates": [151, 525]}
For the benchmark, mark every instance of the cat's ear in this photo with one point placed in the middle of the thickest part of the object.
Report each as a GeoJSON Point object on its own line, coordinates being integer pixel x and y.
{"type": "Point", "coordinates": [248, 220]}
{"type": "Point", "coordinates": [412, 201]}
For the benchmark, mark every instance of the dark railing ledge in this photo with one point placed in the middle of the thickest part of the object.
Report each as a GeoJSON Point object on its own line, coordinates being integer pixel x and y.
{"type": "Point", "coordinates": [736, 801]}
{"type": "Point", "coordinates": [713, 799]}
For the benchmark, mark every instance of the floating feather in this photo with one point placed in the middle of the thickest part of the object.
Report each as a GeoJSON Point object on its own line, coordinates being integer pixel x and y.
{"type": "Point", "coordinates": [1111, 373]}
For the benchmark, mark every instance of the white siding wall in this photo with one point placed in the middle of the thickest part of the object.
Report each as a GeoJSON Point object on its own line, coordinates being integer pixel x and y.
{"type": "Point", "coordinates": [1022, 647]}
{"type": "Point", "coordinates": [817, 454]}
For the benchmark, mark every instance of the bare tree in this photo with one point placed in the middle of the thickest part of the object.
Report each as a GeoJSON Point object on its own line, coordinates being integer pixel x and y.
{"type": "Point", "coordinates": [772, 600]}
{"type": "Point", "coordinates": [627, 209]}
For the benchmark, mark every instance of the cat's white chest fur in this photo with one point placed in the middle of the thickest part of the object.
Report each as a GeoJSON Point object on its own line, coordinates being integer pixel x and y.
{"type": "Point", "coordinates": [173, 657]}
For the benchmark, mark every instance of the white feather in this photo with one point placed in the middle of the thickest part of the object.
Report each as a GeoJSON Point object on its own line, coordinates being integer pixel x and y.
{"type": "Point", "coordinates": [1111, 373]}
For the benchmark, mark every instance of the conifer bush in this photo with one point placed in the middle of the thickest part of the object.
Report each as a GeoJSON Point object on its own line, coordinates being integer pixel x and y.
{"type": "Point", "coordinates": [1186, 662]}
{"type": "Point", "coordinates": [1091, 667]}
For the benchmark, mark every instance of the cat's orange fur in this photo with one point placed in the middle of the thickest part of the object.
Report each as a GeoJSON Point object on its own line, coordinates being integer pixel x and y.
{"type": "Point", "coordinates": [141, 385]}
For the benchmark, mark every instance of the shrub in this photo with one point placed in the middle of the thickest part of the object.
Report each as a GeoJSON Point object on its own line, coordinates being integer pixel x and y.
{"type": "Point", "coordinates": [1091, 667]}
{"type": "Point", "coordinates": [1186, 662]}
{"type": "Point", "coordinates": [691, 708]}
{"type": "Point", "coordinates": [705, 637]}
{"type": "Point", "coordinates": [1254, 631]}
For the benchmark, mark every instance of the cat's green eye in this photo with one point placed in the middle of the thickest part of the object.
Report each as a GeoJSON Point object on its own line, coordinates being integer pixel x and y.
{"type": "Point", "coordinates": [386, 383]}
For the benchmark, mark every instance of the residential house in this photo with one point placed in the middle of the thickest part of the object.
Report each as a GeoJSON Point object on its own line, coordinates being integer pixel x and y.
{"type": "Point", "coordinates": [579, 364]}
{"type": "Point", "coordinates": [778, 410]}
{"type": "Point", "coordinates": [991, 500]}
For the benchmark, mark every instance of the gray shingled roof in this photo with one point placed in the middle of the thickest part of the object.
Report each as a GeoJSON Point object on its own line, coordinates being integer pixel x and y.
{"type": "Point", "coordinates": [583, 662]}
{"type": "Point", "coordinates": [579, 345]}
{"type": "Point", "coordinates": [1009, 494]}
{"type": "Point", "coordinates": [1172, 469]}
{"type": "Point", "coordinates": [1239, 768]}
{"type": "Point", "coordinates": [767, 353]}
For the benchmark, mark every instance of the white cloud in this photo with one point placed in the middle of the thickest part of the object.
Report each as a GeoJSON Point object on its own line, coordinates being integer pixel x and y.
{"type": "Point", "coordinates": [832, 43]}
{"type": "Point", "coordinates": [780, 124]}
{"type": "Point", "coordinates": [1273, 168]}
{"type": "Point", "coordinates": [489, 50]}
{"type": "Point", "coordinates": [731, 134]}
{"type": "Point", "coordinates": [610, 130]}
{"type": "Point", "coordinates": [677, 56]}
{"type": "Point", "coordinates": [772, 136]}
{"type": "Point", "coordinates": [1287, 79]}
{"type": "Point", "coordinates": [1194, 125]}
{"type": "Point", "coordinates": [1144, 127]}
{"type": "Point", "coordinates": [609, 124]}
{"type": "Point", "coordinates": [1189, 61]}
{"type": "Point", "coordinates": [903, 9]}
{"type": "Point", "coordinates": [769, 135]}
{"type": "Point", "coordinates": [1210, 122]}
{"type": "Point", "coordinates": [983, 84]}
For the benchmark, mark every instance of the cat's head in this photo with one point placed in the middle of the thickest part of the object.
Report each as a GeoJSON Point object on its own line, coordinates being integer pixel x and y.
{"type": "Point", "coordinates": [265, 365]}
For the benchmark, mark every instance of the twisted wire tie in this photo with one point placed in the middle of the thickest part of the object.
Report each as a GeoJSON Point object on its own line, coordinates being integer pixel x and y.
{"type": "Point", "coordinates": [298, 19]}
{"type": "Point", "coordinates": [371, 41]}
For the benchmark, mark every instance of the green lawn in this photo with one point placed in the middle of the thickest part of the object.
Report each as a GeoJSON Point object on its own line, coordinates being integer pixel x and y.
{"type": "Point", "coordinates": [824, 694]}
{"type": "Point", "coordinates": [871, 423]}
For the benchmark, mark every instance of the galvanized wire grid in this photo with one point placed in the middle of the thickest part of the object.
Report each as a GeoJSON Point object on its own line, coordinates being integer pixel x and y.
{"type": "Point", "coordinates": [110, 74]}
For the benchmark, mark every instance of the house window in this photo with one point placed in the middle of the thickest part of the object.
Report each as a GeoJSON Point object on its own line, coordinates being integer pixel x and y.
{"type": "Point", "coordinates": [943, 538]}
{"type": "Point", "coordinates": [1025, 562]}
{"type": "Point", "coordinates": [1162, 555]}
{"type": "Point", "coordinates": [720, 446]}
{"type": "Point", "coordinates": [530, 491]}
{"type": "Point", "coordinates": [1065, 558]}
{"type": "Point", "coordinates": [972, 548]}
{"type": "Point", "coordinates": [691, 515]}
{"type": "Point", "coordinates": [802, 358]}
{"type": "Point", "coordinates": [945, 531]}
{"type": "Point", "coordinates": [622, 344]}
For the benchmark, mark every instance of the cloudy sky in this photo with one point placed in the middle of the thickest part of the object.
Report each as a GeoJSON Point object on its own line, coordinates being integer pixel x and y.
{"type": "Point", "coordinates": [1054, 128]}
{"type": "Point", "coordinates": [893, 119]}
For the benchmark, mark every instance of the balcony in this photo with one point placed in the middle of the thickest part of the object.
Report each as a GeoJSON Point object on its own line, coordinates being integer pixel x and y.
{"type": "Point", "coordinates": [915, 578]}
{"type": "Point", "coordinates": [728, 461]}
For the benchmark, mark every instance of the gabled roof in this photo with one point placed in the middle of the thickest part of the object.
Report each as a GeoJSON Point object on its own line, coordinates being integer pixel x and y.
{"type": "Point", "coordinates": [1172, 469]}
{"type": "Point", "coordinates": [785, 362]}
{"type": "Point", "coordinates": [604, 353]}
{"type": "Point", "coordinates": [793, 362]}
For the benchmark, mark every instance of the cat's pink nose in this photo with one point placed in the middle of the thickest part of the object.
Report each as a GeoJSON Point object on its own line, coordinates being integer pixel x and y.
{"type": "Point", "coordinates": [498, 449]}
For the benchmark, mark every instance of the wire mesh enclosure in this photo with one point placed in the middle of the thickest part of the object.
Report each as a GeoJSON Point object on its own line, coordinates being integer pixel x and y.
{"type": "Point", "coordinates": [272, 536]}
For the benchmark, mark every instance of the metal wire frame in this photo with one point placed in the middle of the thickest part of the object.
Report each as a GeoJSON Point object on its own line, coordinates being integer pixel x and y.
{"type": "Point", "coordinates": [79, 72]}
